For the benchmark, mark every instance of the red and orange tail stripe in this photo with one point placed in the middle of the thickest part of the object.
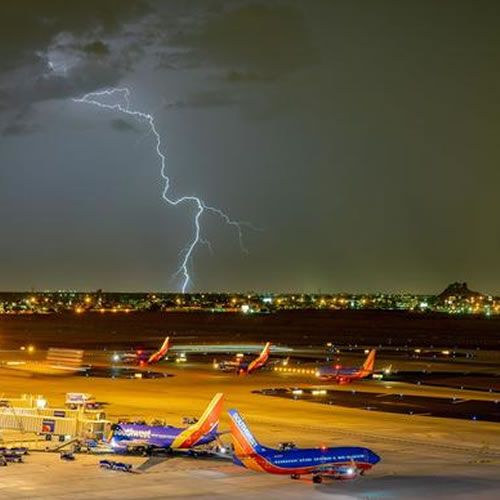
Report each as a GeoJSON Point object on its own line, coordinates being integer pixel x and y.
{"type": "Point", "coordinates": [261, 360]}
{"type": "Point", "coordinates": [161, 353]}
{"type": "Point", "coordinates": [208, 421]}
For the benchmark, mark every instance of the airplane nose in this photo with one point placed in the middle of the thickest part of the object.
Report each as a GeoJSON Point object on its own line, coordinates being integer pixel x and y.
{"type": "Point", "coordinates": [374, 458]}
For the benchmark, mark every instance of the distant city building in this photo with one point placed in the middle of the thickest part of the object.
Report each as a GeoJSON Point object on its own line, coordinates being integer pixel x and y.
{"type": "Point", "coordinates": [457, 298]}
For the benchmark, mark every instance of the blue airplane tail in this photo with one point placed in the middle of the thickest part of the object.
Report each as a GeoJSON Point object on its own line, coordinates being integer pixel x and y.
{"type": "Point", "coordinates": [244, 441]}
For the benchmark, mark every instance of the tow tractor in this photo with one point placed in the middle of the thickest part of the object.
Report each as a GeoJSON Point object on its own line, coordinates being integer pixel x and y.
{"type": "Point", "coordinates": [112, 465]}
{"type": "Point", "coordinates": [67, 456]}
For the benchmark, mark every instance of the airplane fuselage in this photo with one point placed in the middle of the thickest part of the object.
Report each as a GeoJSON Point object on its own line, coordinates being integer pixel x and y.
{"type": "Point", "coordinates": [340, 375]}
{"type": "Point", "coordinates": [129, 436]}
{"type": "Point", "coordinates": [334, 461]}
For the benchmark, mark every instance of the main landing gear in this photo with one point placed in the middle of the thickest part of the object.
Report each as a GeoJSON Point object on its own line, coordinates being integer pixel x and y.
{"type": "Point", "coordinates": [317, 479]}
{"type": "Point", "coordinates": [295, 476]}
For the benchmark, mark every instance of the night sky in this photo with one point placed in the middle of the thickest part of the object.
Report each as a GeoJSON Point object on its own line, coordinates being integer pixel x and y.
{"type": "Point", "coordinates": [361, 139]}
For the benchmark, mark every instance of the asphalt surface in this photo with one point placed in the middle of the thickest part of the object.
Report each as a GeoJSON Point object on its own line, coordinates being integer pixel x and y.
{"type": "Point", "coordinates": [450, 407]}
{"type": "Point", "coordinates": [421, 457]}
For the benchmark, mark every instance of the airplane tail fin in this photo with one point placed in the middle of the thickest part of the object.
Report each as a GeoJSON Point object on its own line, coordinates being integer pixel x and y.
{"type": "Point", "coordinates": [261, 360]}
{"type": "Point", "coordinates": [160, 353]}
{"type": "Point", "coordinates": [369, 364]}
{"type": "Point", "coordinates": [244, 442]}
{"type": "Point", "coordinates": [204, 427]}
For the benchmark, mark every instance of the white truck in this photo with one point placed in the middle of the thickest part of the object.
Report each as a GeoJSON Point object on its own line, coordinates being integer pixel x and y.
{"type": "Point", "coordinates": [75, 400]}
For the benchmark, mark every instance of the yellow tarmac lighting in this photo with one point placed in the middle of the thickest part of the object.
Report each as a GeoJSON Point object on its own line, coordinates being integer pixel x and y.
{"type": "Point", "coordinates": [318, 392]}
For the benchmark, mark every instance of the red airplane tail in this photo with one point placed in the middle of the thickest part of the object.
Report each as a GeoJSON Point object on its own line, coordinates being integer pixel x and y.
{"type": "Point", "coordinates": [261, 360]}
{"type": "Point", "coordinates": [369, 364]}
{"type": "Point", "coordinates": [207, 424]}
{"type": "Point", "coordinates": [160, 353]}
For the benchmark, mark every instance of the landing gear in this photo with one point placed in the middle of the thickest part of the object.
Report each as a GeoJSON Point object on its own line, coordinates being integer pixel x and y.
{"type": "Point", "coordinates": [295, 476]}
{"type": "Point", "coordinates": [139, 450]}
{"type": "Point", "coordinates": [317, 479]}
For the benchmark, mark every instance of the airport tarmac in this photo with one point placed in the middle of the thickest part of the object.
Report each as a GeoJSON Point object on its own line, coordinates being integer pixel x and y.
{"type": "Point", "coordinates": [464, 408]}
{"type": "Point", "coordinates": [421, 456]}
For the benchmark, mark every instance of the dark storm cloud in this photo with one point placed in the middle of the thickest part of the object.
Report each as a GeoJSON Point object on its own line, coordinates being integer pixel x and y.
{"type": "Point", "coordinates": [41, 43]}
{"type": "Point", "coordinates": [97, 48]}
{"type": "Point", "coordinates": [363, 136]}
{"type": "Point", "coordinates": [19, 128]}
{"type": "Point", "coordinates": [121, 125]}
{"type": "Point", "coordinates": [208, 99]}
{"type": "Point", "coordinates": [255, 41]}
{"type": "Point", "coordinates": [28, 26]}
{"type": "Point", "coordinates": [235, 76]}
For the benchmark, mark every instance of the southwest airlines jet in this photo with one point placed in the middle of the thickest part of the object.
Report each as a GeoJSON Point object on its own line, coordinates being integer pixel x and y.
{"type": "Point", "coordinates": [346, 462]}
{"type": "Point", "coordinates": [245, 368]}
{"type": "Point", "coordinates": [347, 375]}
{"type": "Point", "coordinates": [160, 353]}
{"type": "Point", "coordinates": [128, 437]}
{"type": "Point", "coordinates": [141, 357]}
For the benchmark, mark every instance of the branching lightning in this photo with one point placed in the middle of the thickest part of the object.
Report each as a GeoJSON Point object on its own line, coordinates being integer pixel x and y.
{"type": "Point", "coordinates": [123, 106]}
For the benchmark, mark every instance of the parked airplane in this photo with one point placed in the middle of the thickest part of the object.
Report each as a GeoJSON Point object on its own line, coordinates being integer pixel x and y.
{"type": "Point", "coordinates": [347, 375]}
{"type": "Point", "coordinates": [130, 437]}
{"type": "Point", "coordinates": [142, 357]}
{"type": "Point", "coordinates": [346, 462]}
{"type": "Point", "coordinates": [241, 367]}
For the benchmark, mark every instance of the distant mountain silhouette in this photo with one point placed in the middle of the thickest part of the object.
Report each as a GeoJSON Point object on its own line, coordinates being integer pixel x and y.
{"type": "Point", "coordinates": [457, 290]}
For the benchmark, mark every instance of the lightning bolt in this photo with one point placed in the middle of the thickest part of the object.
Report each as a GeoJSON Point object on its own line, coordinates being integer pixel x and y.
{"type": "Point", "coordinates": [122, 105]}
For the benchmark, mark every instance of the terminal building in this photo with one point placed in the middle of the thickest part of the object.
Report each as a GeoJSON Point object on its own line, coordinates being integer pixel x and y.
{"type": "Point", "coordinates": [31, 416]}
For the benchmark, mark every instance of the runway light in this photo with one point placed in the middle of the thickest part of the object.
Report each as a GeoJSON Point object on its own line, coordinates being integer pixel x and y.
{"type": "Point", "coordinates": [116, 358]}
{"type": "Point", "coordinates": [22, 348]}
{"type": "Point", "coordinates": [41, 403]}
{"type": "Point", "coordinates": [297, 392]}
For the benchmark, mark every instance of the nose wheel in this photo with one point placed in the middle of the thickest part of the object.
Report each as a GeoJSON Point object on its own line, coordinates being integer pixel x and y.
{"type": "Point", "coordinates": [295, 476]}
